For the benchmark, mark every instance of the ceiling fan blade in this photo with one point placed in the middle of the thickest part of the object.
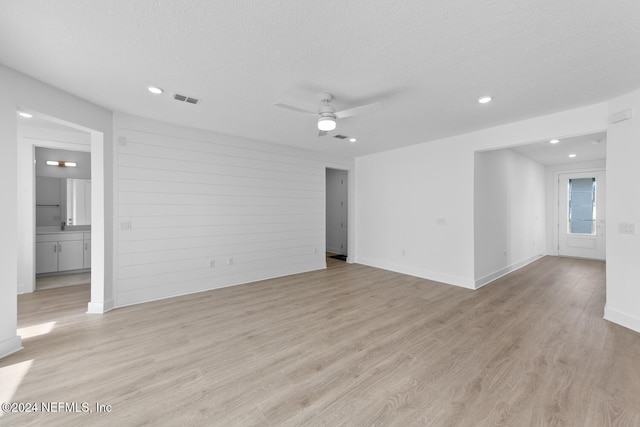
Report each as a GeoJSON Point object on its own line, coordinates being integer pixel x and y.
{"type": "Point", "coordinates": [322, 132]}
{"type": "Point", "coordinates": [297, 109]}
{"type": "Point", "coordinates": [358, 110]}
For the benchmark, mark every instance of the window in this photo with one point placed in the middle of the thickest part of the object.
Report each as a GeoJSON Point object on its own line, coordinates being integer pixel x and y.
{"type": "Point", "coordinates": [582, 206]}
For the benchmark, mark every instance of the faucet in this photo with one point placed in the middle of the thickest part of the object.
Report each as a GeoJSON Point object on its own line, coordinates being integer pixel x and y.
{"type": "Point", "coordinates": [63, 225]}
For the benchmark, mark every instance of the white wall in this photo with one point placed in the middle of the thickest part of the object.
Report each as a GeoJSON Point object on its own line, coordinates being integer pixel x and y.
{"type": "Point", "coordinates": [420, 199]}
{"type": "Point", "coordinates": [20, 91]}
{"type": "Point", "coordinates": [623, 206]}
{"type": "Point", "coordinates": [81, 158]}
{"type": "Point", "coordinates": [509, 207]}
{"type": "Point", "coordinates": [192, 197]}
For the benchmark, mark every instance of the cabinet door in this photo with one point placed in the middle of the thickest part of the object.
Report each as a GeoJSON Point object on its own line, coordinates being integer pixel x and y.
{"type": "Point", "coordinates": [46, 257]}
{"type": "Point", "coordinates": [70, 255]}
{"type": "Point", "coordinates": [87, 254]}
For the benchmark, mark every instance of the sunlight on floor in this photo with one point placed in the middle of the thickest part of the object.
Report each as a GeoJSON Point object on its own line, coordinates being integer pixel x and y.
{"type": "Point", "coordinates": [35, 330]}
{"type": "Point", "coordinates": [11, 377]}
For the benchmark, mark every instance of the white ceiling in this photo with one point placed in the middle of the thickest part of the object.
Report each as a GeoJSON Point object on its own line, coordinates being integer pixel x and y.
{"type": "Point", "coordinates": [585, 147]}
{"type": "Point", "coordinates": [426, 61]}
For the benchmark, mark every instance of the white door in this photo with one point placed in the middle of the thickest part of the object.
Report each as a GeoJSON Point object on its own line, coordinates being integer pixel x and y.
{"type": "Point", "coordinates": [87, 254]}
{"type": "Point", "coordinates": [46, 257]}
{"type": "Point", "coordinates": [343, 213]}
{"type": "Point", "coordinates": [71, 255]}
{"type": "Point", "coordinates": [337, 211]}
{"type": "Point", "coordinates": [581, 214]}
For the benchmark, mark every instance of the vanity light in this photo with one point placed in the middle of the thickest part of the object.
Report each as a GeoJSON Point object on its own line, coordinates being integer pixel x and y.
{"type": "Point", "coordinates": [572, 155]}
{"type": "Point", "coordinates": [484, 99]}
{"type": "Point", "coordinates": [61, 163]}
{"type": "Point", "coordinates": [25, 115]}
{"type": "Point", "coordinates": [554, 141]}
{"type": "Point", "coordinates": [155, 90]}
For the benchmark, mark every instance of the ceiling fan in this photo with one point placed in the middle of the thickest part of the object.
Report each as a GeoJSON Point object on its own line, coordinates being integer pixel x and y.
{"type": "Point", "coordinates": [327, 114]}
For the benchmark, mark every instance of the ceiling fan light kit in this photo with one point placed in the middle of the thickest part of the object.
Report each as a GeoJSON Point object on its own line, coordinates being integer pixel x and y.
{"type": "Point", "coordinates": [327, 114]}
{"type": "Point", "coordinates": [326, 123]}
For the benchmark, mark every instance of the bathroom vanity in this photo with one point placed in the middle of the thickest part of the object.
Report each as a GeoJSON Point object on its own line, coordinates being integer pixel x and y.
{"type": "Point", "coordinates": [63, 251]}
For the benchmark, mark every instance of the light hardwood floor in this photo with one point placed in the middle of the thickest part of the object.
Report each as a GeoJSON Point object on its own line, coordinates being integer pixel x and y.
{"type": "Point", "coordinates": [50, 282]}
{"type": "Point", "coordinates": [352, 345]}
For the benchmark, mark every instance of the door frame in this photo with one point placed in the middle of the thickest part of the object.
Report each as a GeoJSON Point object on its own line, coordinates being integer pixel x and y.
{"type": "Point", "coordinates": [556, 202]}
{"type": "Point", "coordinates": [348, 198]}
{"type": "Point", "coordinates": [26, 223]}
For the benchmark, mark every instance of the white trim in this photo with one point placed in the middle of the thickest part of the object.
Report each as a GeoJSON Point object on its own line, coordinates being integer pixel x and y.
{"type": "Point", "coordinates": [418, 272]}
{"type": "Point", "coordinates": [336, 251]}
{"type": "Point", "coordinates": [10, 346]}
{"type": "Point", "coordinates": [100, 307]}
{"type": "Point", "coordinates": [504, 271]}
{"type": "Point", "coordinates": [322, 266]}
{"type": "Point", "coordinates": [622, 319]}
{"type": "Point", "coordinates": [556, 202]}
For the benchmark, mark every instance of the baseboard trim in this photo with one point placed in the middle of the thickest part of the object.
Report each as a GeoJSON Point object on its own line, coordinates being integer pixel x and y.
{"type": "Point", "coordinates": [315, 267]}
{"type": "Point", "coordinates": [623, 319]}
{"type": "Point", "coordinates": [100, 307]}
{"type": "Point", "coordinates": [418, 272]}
{"type": "Point", "coordinates": [336, 251]}
{"type": "Point", "coordinates": [10, 346]}
{"type": "Point", "coordinates": [504, 271]}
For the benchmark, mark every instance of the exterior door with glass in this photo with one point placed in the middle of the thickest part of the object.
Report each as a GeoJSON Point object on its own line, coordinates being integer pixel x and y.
{"type": "Point", "coordinates": [581, 215]}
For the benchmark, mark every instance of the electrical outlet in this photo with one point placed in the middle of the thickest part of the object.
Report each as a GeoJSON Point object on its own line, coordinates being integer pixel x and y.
{"type": "Point", "coordinates": [626, 228]}
{"type": "Point", "coordinates": [212, 263]}
{"type": "Point", "coordinates": [229, 261]}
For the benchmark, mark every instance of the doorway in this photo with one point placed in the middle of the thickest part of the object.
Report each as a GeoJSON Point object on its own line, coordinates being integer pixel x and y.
{"type": "Point", "coordinates": [337, 211]}
{"type": "Point", "coordinates": [37, 132]}
{"type": "Point", "coordinates": [63, 215]}
{"type": "Point", "coordinates": [581, 214]}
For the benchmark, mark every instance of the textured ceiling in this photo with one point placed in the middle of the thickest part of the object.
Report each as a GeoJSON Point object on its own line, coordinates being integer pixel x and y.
{"type": "Point", "coordinates": [585, 147]}
{"type": "Point", "coordinates": [426, 61]}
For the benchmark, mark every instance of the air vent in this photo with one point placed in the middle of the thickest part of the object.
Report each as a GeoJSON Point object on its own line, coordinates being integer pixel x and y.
{"type": "Point", "coordinates": [340, 137]}
{"type": "Point", "coordinates": [185, 98]}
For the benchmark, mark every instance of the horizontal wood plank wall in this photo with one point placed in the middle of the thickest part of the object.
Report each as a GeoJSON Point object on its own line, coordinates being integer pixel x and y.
{"type": "Point", "coordinates": [192, 197]}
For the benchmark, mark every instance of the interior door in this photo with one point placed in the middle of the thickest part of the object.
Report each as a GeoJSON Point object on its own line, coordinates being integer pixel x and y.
{"type": "Point", "coordinates": [337, 212]}
{"type": "Point", "coordinates": [581, 215]}
{"type": "Point", "coordinates": [343, 213]}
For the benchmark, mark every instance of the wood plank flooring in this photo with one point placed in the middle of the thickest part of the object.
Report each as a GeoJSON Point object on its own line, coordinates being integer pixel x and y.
{"type": "Point", "coordinates": [348, 346]}
{"type": "Point", "coordinates": [59, 281]}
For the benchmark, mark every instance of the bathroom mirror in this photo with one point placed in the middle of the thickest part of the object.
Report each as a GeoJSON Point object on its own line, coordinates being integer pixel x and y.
{"type": "Point", "coordinates": [78, 202]}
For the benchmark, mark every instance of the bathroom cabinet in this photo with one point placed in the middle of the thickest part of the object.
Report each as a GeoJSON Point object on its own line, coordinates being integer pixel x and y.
{"type": "Point", "coordinates": [64, 251]}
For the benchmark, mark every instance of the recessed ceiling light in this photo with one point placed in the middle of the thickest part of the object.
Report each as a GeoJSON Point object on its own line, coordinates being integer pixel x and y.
{"type": "Point", "coordinates": [155, 90]}
{"type": "Point", "coordinates": [25, 115]}
{"type": "Point", "coordinates": [572, 155]}
{"type": "Point", "coordinates": [554, 141]}
{"type": "Point", "coordinates": [484, 99]}
{"type": "Point", "coordinates": [352, 139]}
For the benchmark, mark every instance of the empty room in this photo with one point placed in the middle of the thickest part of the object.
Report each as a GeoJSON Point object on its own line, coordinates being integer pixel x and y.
{"type": "Point", "coordinates": [239, 213]}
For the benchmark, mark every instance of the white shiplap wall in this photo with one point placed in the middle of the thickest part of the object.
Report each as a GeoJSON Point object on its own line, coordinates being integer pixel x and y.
{"type": "Point", "coordinates": [193, 197]}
